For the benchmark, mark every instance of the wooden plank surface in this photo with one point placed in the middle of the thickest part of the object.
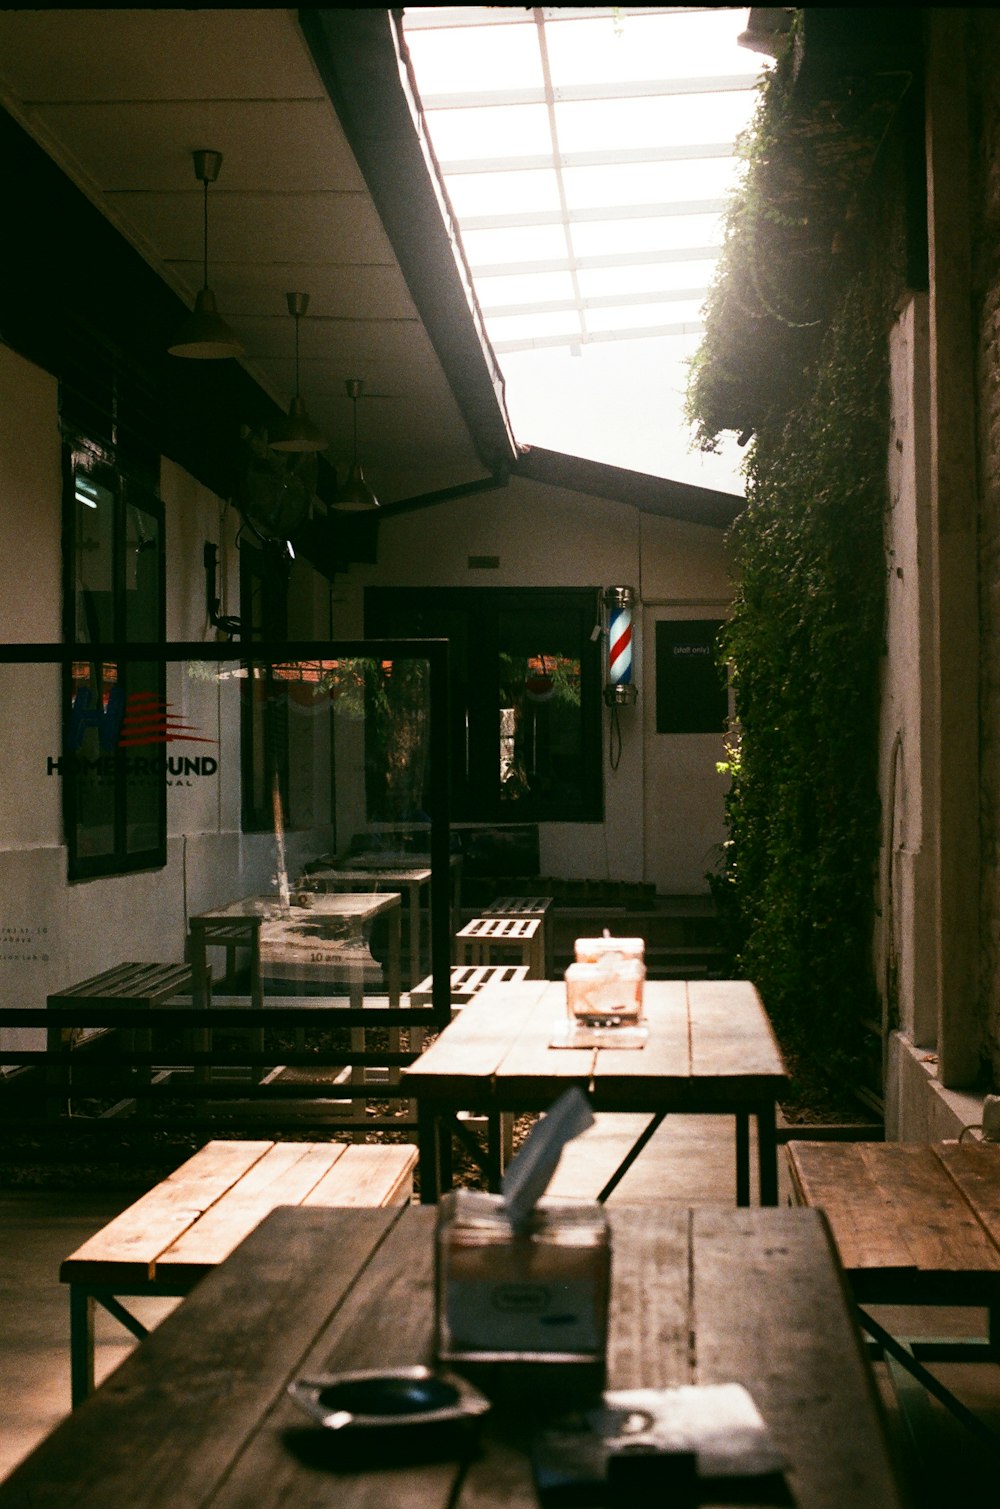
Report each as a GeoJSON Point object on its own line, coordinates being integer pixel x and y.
{"type": "Point", "coordinates": [199, 1415]}
{"type": "Point", "coordinates": [975, 1168]}
{"type": "Point", "coordinates": [708, 1039]}
{"type": "Point", "coordinates": [834, 1177]}
{"type": "Point", "coordinates": [658, 1072]}
{"type": "Point", "coordinates": [129, 1246]}
{"type": "Point", "coordinates": [732, 1042]}
{"type": "Point", "coordinates": [898, 1207]}
{"type": "Point", "coordinates": [385, 1321]}
{"type": "Point", "coordinates": [465, 1057]}
{"type": "Point", "coordinates": [368, 1174]}
{"type": "Point", "coordinates": [286, 1174]}
{"type": "Point", "coordinates": [530, 1075]}
{"type": "Point", "coordinates": [778, 1322]}
{"type": "Point", "coordinates": [127, 984]}
{"type": "Point", "coordinates": [943, 1234]}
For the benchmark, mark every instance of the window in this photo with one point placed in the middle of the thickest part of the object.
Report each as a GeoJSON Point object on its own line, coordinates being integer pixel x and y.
{"type": "Point", "coordinates": [116, 722]}
{"type": "Point", "coordinates": [524, 695]}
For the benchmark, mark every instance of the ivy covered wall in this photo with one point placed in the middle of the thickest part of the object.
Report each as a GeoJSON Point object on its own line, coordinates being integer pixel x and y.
{"type": "Point", "coordinates": [795, 358]}
{"type": "Point", "coordinates": [805, 642]}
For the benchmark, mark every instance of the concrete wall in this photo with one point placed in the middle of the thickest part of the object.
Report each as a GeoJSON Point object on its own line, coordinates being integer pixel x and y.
{"type": "Point", "coordinates": [986, 289]}
{"type": "Point", "coordinates": [941, 717]}
{"type": "Point", "coordinates": [907, 928]}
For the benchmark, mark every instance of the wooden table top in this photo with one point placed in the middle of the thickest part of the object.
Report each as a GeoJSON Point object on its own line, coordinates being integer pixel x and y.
{"type": "Point", "coordinates": [393, 859]}
{"type": "Point", "coordinates": [418, 875]}
{"type": "Point", "coordinates": [905, 1216]}
{"type": "Point", "coordinates": [363, 904]}
{"type": "Point", "coordinates": [199, 1412]}
{"type": "Point", "coordinates": [707, 1038]}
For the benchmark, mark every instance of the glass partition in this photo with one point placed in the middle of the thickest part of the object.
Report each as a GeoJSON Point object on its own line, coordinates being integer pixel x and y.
{"type": "Point", "coordinates": [315, 945]}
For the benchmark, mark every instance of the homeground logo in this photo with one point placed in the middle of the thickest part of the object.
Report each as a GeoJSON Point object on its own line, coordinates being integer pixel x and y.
{"type": "Point", "coordinates": [125, 725]}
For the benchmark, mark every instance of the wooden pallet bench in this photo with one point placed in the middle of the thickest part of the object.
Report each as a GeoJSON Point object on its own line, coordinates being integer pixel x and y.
{"type": "Point", "coordinates": [192, 1220]}
{"type": "Point", "coordinates": [466, 980]}
{"type": "Point", "coordinates": [527, 906]}
{"type": "Point", "coordinates": [126, 985]}
{"type": "Point", "coordinates": [485, 940]}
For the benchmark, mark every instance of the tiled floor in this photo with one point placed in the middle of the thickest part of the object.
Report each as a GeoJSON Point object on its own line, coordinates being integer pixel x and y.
{"type": "Point", "coordinates": [689, 1161]}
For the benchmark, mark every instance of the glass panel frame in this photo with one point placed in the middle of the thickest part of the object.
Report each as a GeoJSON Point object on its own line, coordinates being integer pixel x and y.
{"type": "Point", "coordinates": [114, 567]}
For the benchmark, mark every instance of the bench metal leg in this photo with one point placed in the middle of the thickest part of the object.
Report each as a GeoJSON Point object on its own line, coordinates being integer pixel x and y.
{"type": "Point", "coordinates": [767, 1154]}
{"type": "Point", "coordinates": [631, 1156]}
{"type": "Point", "coordinates": [902, 1354]}
{"type": "Point", "coordinates": [81, 1335]}
{"type": "Point", "coordinates": [81, 1344]}
{"type": "Point", "coordinates": [742, 1158]}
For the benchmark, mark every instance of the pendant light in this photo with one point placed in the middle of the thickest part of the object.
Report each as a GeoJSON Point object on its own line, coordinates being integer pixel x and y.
{"type": "Point", "coordinates": [296, 431]}
{"type": "Point", "coordinates": [204, 334]}
{"type": "Point", "coordinates": [355, 496]}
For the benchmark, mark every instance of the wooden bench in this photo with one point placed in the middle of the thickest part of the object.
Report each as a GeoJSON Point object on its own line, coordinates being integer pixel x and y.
{"type": "Point", "coordinates": [527, 906]}
{"type": "Point", "coordinates": [466, 980]}
{"type": "Point", "coordinates": [126, 985]}
{"type": "Point", "coordinates": [914, 1224]}
{"type": "Point", "coordinates": [480, 940]}
{"type": "Point", "coordinates": [192, 1220]}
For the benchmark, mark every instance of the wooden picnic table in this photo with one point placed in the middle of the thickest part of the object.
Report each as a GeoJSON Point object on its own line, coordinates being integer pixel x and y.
{"type": "Point", "coordinates": [199, 1413]}
{"type": "Point", "coordinates": [316, 943]}
{"type": "Point", "coordinates": [710, 1050]}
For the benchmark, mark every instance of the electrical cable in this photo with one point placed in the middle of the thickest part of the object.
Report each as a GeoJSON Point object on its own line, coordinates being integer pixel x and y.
{"type": "Point", "coordinates": [614, 738]}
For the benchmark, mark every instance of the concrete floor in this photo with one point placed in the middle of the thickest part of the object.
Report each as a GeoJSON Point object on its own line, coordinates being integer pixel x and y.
{"type": "Point", "coordinates": [689, 1161]}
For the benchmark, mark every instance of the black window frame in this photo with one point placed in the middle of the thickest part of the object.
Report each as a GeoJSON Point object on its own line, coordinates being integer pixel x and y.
{"type": "Point", "coordinates": [474, 690]}
{"type": "Point", "coordinates": [132, 483]}
{"type": "Point", "coordinates": [264, 571]}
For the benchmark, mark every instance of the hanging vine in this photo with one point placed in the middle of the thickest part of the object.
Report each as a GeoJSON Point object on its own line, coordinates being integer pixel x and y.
{"type": "Point", "coordinates": [795, 351]}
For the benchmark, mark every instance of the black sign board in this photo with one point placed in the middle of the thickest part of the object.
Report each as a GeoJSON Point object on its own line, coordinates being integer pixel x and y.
{"type": "Point", "coordinates": [691, 694]}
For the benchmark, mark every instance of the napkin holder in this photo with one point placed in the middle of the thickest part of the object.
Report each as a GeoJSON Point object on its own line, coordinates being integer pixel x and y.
{"type": "Point", "coordinates": [604, 990]}
{"type": "Point", "coordinates": [523, 1309]}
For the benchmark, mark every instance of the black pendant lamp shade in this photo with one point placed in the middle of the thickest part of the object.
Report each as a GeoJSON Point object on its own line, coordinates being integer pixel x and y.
{"type": "Point", "coordinates": [355, 496]}
{"type": "Point", "coordinates": [204, 334]}
{"type": "Point", "coordinates": [296, 431]}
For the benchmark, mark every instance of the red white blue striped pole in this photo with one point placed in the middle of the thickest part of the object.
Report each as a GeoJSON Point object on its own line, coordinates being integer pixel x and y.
{"type": "Point", "coordinates": [620, 688]}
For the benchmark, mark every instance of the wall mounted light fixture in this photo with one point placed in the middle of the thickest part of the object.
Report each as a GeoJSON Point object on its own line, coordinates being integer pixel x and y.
{"type": "Point", "coordinates": [296, 431]}
{"type": "Point", "coordinates": [204, 334]}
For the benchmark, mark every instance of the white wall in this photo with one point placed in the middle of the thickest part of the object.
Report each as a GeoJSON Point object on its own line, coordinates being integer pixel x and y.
{"type": "Point", "coordinates": [53, 934]}
{"type": "Point", "coordinates": [30, 502]}
{"type": "Point", "coordinates": [552, 537]}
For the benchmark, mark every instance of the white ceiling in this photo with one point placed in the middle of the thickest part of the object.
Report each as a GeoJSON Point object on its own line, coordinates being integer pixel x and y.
{"type": "Point", "coordinates": [121, 99]}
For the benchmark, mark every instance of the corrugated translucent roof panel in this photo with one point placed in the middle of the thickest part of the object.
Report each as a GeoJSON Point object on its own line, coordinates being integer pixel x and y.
{"type": "Point", "coordinates": [587, 154]}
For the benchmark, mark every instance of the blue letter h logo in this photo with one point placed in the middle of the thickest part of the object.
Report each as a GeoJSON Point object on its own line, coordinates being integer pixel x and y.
{"type": "Point", "coordinates": [107, 721]}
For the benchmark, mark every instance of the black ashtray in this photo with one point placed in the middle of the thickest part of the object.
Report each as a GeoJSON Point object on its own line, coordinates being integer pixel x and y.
{"type": "Point", "coordinates": [376, 1400]}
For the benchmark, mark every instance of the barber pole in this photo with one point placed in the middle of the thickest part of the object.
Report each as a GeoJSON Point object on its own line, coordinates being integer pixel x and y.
{"type": "Point", "coordinates": [618, 602]}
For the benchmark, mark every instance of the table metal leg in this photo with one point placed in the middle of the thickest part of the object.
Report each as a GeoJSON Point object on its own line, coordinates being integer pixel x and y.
{"type": "Point", "coordinates": [767, 1153]}
{"type": "Point", "coordinates": [81, 1344]}
{"type": "Point", "coordinates": [495, 1148]}
{"type": "Point", "coordinates": [631, 1156]}
{"type": "Point", "coordinates": [742, 1158]}
{"type": "Point", "coordinates": [429, 1135]}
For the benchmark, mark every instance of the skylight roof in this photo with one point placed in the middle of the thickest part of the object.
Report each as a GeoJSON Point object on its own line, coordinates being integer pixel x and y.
{"type": "Point", "coordinates": [587, 154]}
